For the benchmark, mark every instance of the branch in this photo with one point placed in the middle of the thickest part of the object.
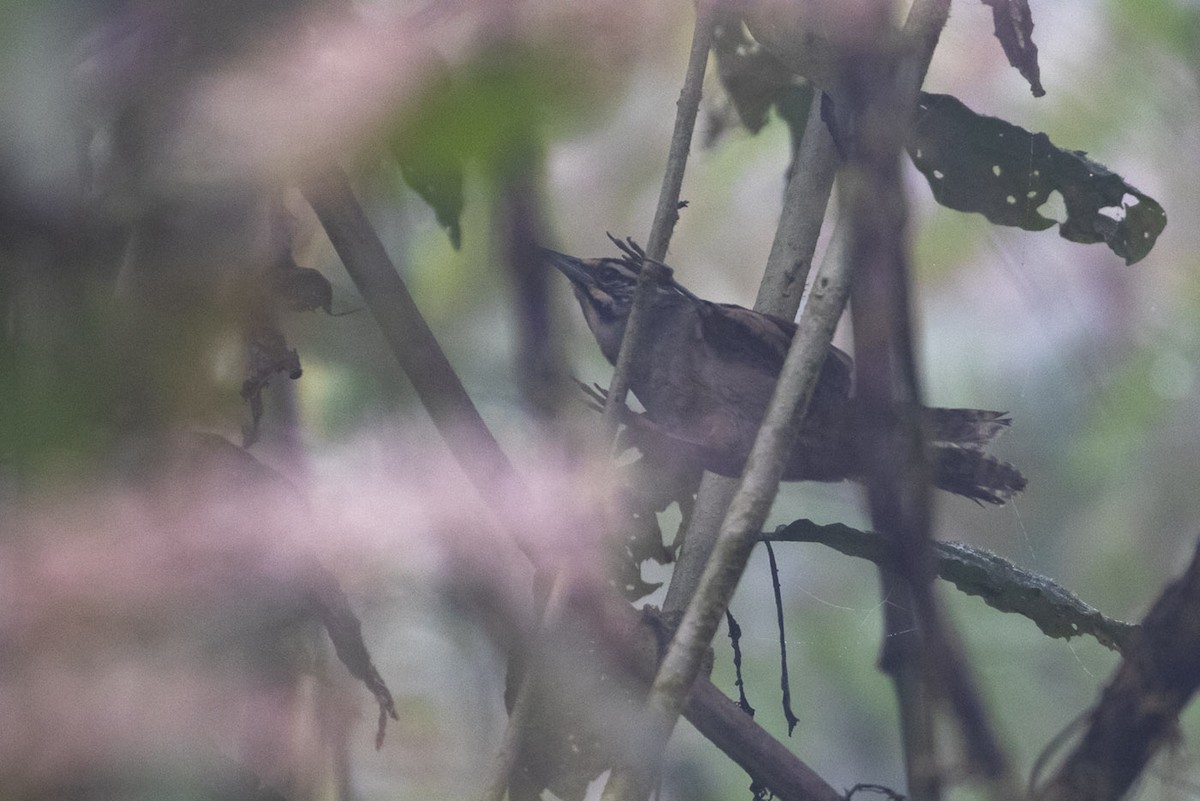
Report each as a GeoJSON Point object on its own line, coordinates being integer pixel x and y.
{"type": "Point", "coordinates": [412, 342]}
{"type": "Point", "coordinates": [1139, 710]}
{"type": "Point", "coordinates": [919, 650]}
{"type": "Point", "coordinates": [923, 29]}
{"type": "Point", "coordinates": [665, 215]}
{"type": "Point", "coordinates": [997, 581]}
{"type": "Point", "coordinates": [804, 206]}
{"type": "Point", "coordinates": [768, 761]}
{"type": "Point", "coordinates": [740, 531]}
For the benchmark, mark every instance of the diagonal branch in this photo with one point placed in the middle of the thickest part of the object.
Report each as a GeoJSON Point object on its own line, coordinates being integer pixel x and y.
{"type": "Point", "coordinates": [412, 342]}
{"type": "Point", "coordinates": [804, 204]}
{"type": "Point", "coordinates": [1138, 711]}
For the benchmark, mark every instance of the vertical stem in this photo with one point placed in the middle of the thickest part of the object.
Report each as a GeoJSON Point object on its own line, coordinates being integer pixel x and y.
{"type": "Point", "coordinates": [919, 650]}
{"type": "Point", "coordinates": [899, 658]}
{"type": "Point", "coordinates": [665, 215]}
{"type": "Point", "coordinates": [804, 206]}
{"type": "Point", "coordinates": [522, 709]}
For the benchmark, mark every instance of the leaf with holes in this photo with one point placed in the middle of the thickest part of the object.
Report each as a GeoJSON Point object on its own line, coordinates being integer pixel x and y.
{"type": "Point", "coordinates": [984, 164]}
{"type": "Point", "coordinates": [1014, 29]}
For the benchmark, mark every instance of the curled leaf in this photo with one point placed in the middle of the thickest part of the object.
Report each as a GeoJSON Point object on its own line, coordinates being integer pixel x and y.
{"type": "Point", "coordinates": [1014, 29]}
{"type": "Point", "coordinates": [301, 289]}
{"type": "Point", "coordinates": [329, 602]}
{"type": "Point", "coordinates": [267, 354]}
{"type": "Point", "coordinates": [984, 164]}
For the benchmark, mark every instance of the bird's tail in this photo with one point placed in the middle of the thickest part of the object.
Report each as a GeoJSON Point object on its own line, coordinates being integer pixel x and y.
{"type": "Point", "coordinates": [956, 440]}
{"type": "Point", "coordinates": [967, 428]}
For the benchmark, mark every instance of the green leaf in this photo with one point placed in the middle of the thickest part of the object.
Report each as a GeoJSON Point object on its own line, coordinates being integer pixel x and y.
{"type": "Point", "coordinates": [433, 168]}
{"type": "Point", "coordinates": [984, 164]}
{"type": "Point", "coordinates": [489, 112]}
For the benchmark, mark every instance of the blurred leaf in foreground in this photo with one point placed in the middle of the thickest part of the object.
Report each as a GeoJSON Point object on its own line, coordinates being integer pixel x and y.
{"type": "Point", "coordinates": [490, 112]}
{"type": "Point", "coordinates": [753, 77]}
{"type": "Point", "coordinates": [984, 164]}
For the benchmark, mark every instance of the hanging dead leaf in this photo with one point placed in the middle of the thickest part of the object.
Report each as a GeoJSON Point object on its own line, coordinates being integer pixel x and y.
{"type": "Point", "coordinates": [267, 354]}
{"type": "Point", "coordinates": [1014, 29]}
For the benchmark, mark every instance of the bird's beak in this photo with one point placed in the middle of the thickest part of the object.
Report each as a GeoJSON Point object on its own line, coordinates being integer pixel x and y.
{"type": "Point", "coordinates": [576, 270]}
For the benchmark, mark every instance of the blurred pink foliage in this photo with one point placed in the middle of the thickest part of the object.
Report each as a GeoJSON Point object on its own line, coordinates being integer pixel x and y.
{"type": "Point", "coordinates": [135, 616]}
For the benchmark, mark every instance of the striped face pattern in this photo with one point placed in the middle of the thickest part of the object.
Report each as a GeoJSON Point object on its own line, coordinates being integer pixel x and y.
{"type": "Point", "coordinates": [610, 287]}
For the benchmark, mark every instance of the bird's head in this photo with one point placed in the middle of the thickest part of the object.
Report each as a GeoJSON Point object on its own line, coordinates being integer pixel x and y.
{"type": "Point", "coordinates": [604, 288]}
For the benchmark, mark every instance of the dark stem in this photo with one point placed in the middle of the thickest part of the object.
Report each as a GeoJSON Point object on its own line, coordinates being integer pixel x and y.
{"type": "Point", "coordinates": [538, 354]}
{"type": "Point", "coordinates": [784, 683]}
{"type": "Point", "coordinates": [735, 643]}
{"type": "Point", "coordinates": [918, 651]}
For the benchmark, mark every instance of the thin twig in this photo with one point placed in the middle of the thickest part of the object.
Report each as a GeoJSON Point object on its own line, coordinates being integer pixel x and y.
{"type": "Point", "coordinates": [735, 643]}
{"type": "Point", "coordinates": [739, 532]}
{"type": "Point", "coordinates": [653, 272]}
{"type": "Point", "coordinates": [665, 214]}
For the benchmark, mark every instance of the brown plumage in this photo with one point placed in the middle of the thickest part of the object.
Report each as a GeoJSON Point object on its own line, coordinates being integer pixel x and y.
{"type": "Point", "coordinates": [707, 371]}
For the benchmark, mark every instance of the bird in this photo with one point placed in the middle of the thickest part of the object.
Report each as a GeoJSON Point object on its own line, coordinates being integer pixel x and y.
{"type": "Point", "coordinates": [706, 371]}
